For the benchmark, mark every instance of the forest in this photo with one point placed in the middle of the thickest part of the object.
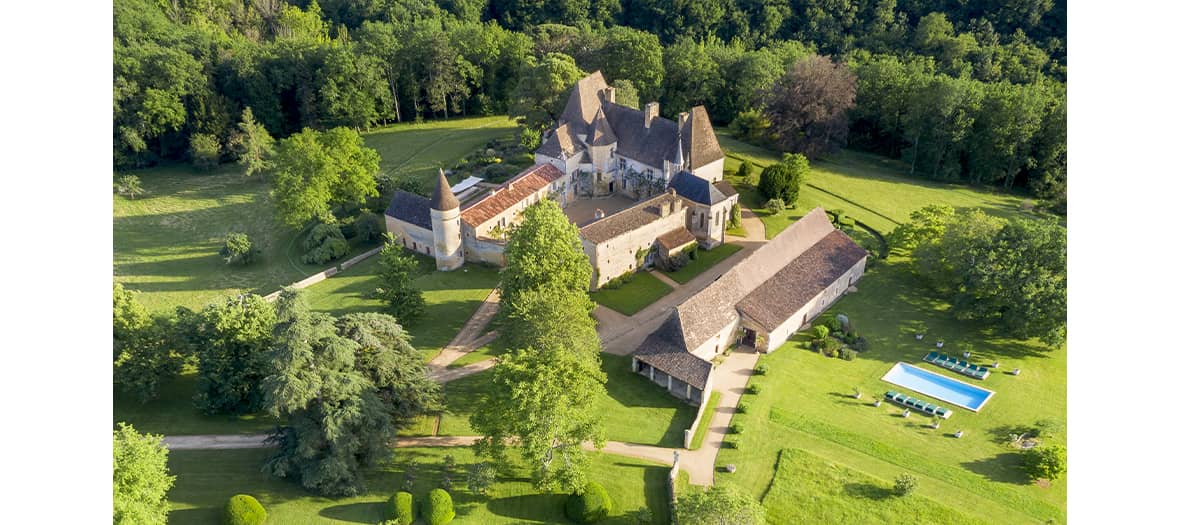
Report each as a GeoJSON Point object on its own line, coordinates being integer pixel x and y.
{"type": "Point", "coordinates": [960, 90]}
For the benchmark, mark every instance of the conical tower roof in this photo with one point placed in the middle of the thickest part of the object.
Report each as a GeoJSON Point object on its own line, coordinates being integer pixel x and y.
{"type": "Point", "coordinates": [444, 199]}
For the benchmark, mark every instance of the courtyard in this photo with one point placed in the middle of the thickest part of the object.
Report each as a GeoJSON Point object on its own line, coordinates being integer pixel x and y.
{"type": "Point", "coordinates": [583, 211]}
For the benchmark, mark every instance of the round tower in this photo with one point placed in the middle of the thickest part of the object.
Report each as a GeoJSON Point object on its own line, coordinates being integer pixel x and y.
{"type": "Point", "coordinates": [444, 222]}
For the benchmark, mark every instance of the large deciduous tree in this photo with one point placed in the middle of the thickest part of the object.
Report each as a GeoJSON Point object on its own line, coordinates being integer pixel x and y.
{"type": "Point", "coordinates": [721, 504]}
{"type": "Point", "coordinates": [808, 107]}
{"type": "Point", "coordinates": [543, 88]}
{"type": "Point", "coordinates": [636, 56]}
{"type": "Point", "coordinates": [141, 478]}
{"type": "Point", "coordinates": [147, 352]}
{"type": "Point", "coordinates": [543, 251]}
{"type": "Point", "coordinates": [315, 171]}
{"type": "Point", "coordinates": [235, 335]}
{"type": "Point", "coordinates": [395, 278]}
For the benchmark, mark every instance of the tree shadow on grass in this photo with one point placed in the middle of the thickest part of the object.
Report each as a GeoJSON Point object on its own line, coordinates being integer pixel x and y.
{"type": "Point", "coordinates": [364, 512]}
{"type": "Point", "coordinates": [867, 491]}
{"type": "Point", "coordinates": [1005, 467]}
{"type": "Point", "coordinates": [537, 507]}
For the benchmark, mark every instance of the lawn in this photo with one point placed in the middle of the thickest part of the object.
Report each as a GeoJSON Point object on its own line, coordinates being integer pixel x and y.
{"type": "Point", "coordinates": [635, 410]}
{"type": "Point", "coordinates": [628, 299]}
{"type": "Point", "coordinates": [806, 403]}
{"type": "Point", "coordinates": [808, 489]}
{"type": "Point", "coordinates": [206, 479]}
{"type": "Point", "coordinates": [871, 188]}
{"type": "Point", "coordinates": [488, 351]}
{"type": "Point", "coordinates": [702, 430]}
{"type": "Point", "coordinates": [166, 241]}
{"type": "Point", "coordinates": [705, 259]}
{"type": "Point", "coordinates": [173, 414]}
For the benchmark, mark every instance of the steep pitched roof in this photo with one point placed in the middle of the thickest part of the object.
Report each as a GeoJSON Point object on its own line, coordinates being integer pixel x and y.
{"type": "Point", "coordinates": [649, 145]}
{"type": "Point", "coordinates": [777, 299]}
{"type": "Point", "coordinates": [443, 199]}
{"type": "Point", "coordinates": [641, 214]}
{"type": "Point", "coordinates": [561, 144]}
{"type": "Point", "coordinates": [725, 188]}
{"type": "Point", "coordinates": [662, 350]}
{"type": "Point", "coordinates": [585, 100]}
{"type": "Point", "coordinates": [699, 139]}
{"type": "Point", "coordinates": [509, 193]}
{"type": "Point", "coordinates": [697, 189]}
{"type": "Point", "coordinates": [411, 208]}
{"type": "Point", "coordinates": [601, 133]}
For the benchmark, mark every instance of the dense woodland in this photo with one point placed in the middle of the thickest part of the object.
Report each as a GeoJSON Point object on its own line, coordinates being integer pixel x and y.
{"type": "Point", "coordinates": [961, 90]}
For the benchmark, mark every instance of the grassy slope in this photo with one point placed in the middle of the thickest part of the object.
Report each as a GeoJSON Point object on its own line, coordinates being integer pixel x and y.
{"type": "Point", "coordinates": [206, 479]}
{"type": "Point", "coordinates": [634, 296]}
{"type": "Point", "coordinates": [634, 410]}
{"type": "Point", "coordinates": [806, 403]}
{"type": "Point", "coordinates": [705, 260]}
{"type": "Point", "coordinates": [807, 489]}
{"type": "Point", "coordinates": [166, 241]}
{"type": "Point", "coordinates": [872, 189]}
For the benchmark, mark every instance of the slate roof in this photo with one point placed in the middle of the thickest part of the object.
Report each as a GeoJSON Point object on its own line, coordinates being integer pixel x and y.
{"type": "Point", "coordinates": [585, 100]}
{"type": "Point", "coordinates": [641, 214]}
{"type": "Point", "coordinates": [651, 146]}
{"type": "Point", "coordinates": [698, 190]}
{"type": "Point", "coordinates": [675, 238]}
{"type": "Point", "coordinates": [410, 207]}
{"type": "Point", "coordinates": [509, 193]}
{"type": "Point", "coordinates": [725, 188]}
{"type": "Point", "coordinates": [562, 143]}
{"type": "Point", "coordinates": [775, 300]}
{"type": "Point", "coordinates": [443, 199]}
{"type": "Point", "coordinates": [703, 147]}
{"type": "Point", "coordinates": [601, 133]}
{"type": "Point", "coordinates": [660, 350]}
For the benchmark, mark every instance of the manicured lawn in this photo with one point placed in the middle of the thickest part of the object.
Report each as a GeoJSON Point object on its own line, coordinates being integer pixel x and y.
{"type": "Point", "coordinates": [634, 296]}
{"type": "Point", "coordinates": [702, 430]}
{"type": "Point", "coordinates": [206, 479]}
{"type": "Point", "coordinates": [166, 241]}
{"type": "Point", "coordinates": [872, 189]}
{"type": "Point", "coordinates": [705, 260]}
{"type": "Point", "coordinates": [739, 231]}
{"type": "Point", "coordinates": [806, 403]}
{"type": "Point", "coordinates": [173, 413]}
{"type": "Point", "coordinates": [635, 410]}
{"type": "Point", "coordinates": [808, 489]}
{"type": "Point", "coordinates": [488, 351]}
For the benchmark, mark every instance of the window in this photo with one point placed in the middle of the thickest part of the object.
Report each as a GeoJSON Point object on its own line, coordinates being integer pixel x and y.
{"type": "Point", "coordinates": [702, 221]}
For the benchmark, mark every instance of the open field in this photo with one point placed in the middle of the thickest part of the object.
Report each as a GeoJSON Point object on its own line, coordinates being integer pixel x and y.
{"type": "Point", "coordinates": [872, 189]}
{"type": "Point", "coordinates": [207, 478]}
{"type": "Point", "coordinates": [634, 296]}
{"type": "Point", "coordinates": [635, 410]}
{"type": "Point", "coordinates": [166, 241]}
{"type": "Point", "coordinates": [806, 403]}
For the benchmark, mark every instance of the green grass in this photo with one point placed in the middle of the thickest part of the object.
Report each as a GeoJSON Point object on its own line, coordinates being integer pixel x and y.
{"type": "Point", "coordinates": [870, 188]}
{"type": "Point", "coordinates": [173, 413]}
{"type": "Point", "coordinates": [705, 259]}
{"type": "Point", "coordinates": [739, 231]}
{"type": "Point", "coordinates": [634, 410]}
{"type": "Point", "coordinates": [634, 296]}
{"type": "Point", "coordinates": [809, 489]}
{"type": "Point", "coordinates": [206, 479]}
{"type": "Point", "coordinates": [702, 430]}
{"type": "Point", "coordinates": [166, 241]}
{"type": "Point", "coordinates": [805, 403]}
{"type": "Point", "coordinates": [488, 351]}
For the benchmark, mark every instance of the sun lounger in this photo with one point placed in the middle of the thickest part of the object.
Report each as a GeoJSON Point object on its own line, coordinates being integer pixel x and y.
{"type": "Point", "coordinates": [931, 357]}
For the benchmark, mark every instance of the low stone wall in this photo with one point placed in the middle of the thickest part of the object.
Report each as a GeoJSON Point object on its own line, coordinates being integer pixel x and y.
{"type": "Point", "coordinates": [688, 432]}
{"type": "Point", "coordinates": [675, 470]}
{"type": "Point", "coordinates": [315, 278]}
{"type": "Point", "coordinates": [356, 260]}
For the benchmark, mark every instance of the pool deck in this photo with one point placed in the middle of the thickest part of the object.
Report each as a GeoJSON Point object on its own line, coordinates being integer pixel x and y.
{"type": "Point", "coordinates": [902, 365]}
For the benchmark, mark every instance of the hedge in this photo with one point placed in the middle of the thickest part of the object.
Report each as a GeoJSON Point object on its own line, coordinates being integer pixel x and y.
{"type": "Point", "coordinates": [439, 510]}
{"type": "Point", "coordinates": [401, 508]}
{"type": "Point", "coordinates": [243, 509]}
{"type": "Point", "coordinates": [589, 506]}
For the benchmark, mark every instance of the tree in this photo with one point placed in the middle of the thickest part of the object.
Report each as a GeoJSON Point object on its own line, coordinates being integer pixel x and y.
{"type": "Point", "coordinates": [141, 478]}
{"type": "Point", "coordinates": [395, 278]}
{"type": "Point", "coordinates": [384, 355]}
{"type": "Point", "coordinates": [145, 351]}
{"type": "Point", "coordinates": [797, 168]}
{"type": "Point", "coordinates": [636, 56]}
{"type": "Point", "coordinates": [692, 76]}
{"type": "Point", "coordinates": [237, 249]}
{"type": "Point", "coordinates": [750, 125]}
{"type": "Point", "coordinates": [336, 422]}
{"type": "Point", "coordinates": [205, 150]}
{"type": "Point", "coordinates": [252, 144]}
{"type": "Point", "coordinates": [905, 484]}
{"type": "Point", "coordinates": [721, 504]}
{"type": "Point", "coordinates": [735, 216]}
{"type": "Point", "coordinates": [544, 251]}
{"type": "Point", "coordinates": [128, 185]}
{"type": "Point", "coordinates": [543, 88]}
{"type": "Point", "coordinates": [808, 107]}
{"type": "Point", "coordinates": [774, 181]}
{"type": "Point", "coordinates": [1045, 462]}
{"type": "Point", "coordinates": [235, 335]}
{"type": "Point", "coordinates": [625, 93]}
{"type": "Point", "coordinates": [317, 170]}
{"type": "Point", "coordinates": [480, 477]}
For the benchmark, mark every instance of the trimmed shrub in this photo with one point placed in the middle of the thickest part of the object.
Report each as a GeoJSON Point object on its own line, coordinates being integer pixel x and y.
{"type": "Point", "coordinates": [834, 325]}
{"type": "Point", "coordinates": [743, 407]}
{"type": "Point", "coordinates": [905, 484]}
{"type": "Point", "coordinates": [243, 509]}
{"type": "Point", "coordinates": [331, 250]}
{"type": "Point", "coordinates": [847, 354]}
{"type": "Point", "coordinates": [860, 344]}
{"type": "Point", "coordinates": [821, 332]}
{"type": "Point", "coordinates": [775, 206]}
{"type": "Point", "coordinates": [439, 510]}
{"type": "Point", "coordinates": [735, 443]}
{"type": "Point", "coordinates": [745, 169]}
{"type": "Point", "coordinates": [760, 369]}
{"type": "Point", "coordinates": [753, 388]}
{"type": "Point", "coordinates": [736, 428]}
{"type": "Point", "coordinates": [591, 505]}
{"type": "Point", "coordinates": [400, 510]}
{"type": "Point", "coordinates": [320, 234]}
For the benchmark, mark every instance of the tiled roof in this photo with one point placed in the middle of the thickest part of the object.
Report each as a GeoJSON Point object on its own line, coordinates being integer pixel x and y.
{"type": "Point", "coordinates": [661, 349]}
{"type": "Point", "coordinates": [641, 214]}
{"type": "Point", "coordinates": [443, 199]}
{"type": "Point", "coordinates": [562, 143]}
{"type": "Point", "coordinates": [725, 188]}
{"type": "Point", "coordinates": [509, 193]}
{"type": "Point", "coordinates": [697, 189]}
{"type": "Point", "coordinates": [676, 238]}
{"type": "Point", "coordinates": [774, 301]}
{"type": "Point", "coordinates": [411, 208]}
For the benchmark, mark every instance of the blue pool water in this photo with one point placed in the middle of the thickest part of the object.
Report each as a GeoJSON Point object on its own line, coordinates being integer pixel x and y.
{"type": "Point", "coordinates": [938, 386]}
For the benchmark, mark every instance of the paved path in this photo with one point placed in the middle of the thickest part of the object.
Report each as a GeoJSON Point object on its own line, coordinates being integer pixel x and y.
{"type": "Point", "coordinates": [755, 230]}
{"type": "Point", "coordinates": [443, 375]}
{"type": "Point", "coordinates": [469, 337]}
{"type": "Point", "coordinates": [730, 380]}
{"type": "Point", "coordinates": [667, 280]}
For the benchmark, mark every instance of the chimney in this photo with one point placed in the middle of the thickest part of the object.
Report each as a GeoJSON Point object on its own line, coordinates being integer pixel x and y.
{"type": "Point", "coordinates": [651, 110]}
{"type": "Point", "coordinates": [675, 201]}
{"type": "Point", "coordinates": [665, 208]}
{"type": "Point", "coordinates": [610, 94]}
{"type": "Point", "coordinates": [683, 117]}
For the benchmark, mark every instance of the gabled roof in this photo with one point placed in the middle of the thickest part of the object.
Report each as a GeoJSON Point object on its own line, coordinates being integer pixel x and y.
{"type": "Point", "coordinates": [585, 100]}
{"type": "Point", "coordinates": [561, 144]}
{"type": "Point", "coordinates": [649, 145]}
{"type": "Point", "coordinates": [443, 199]}
{"type": "Point", "coordinates": [601, 133]}
{"type": "Point", "coordinates": [700, 141]}
{"type": "Point", "coordinates": [676, 238]}
{"type": "Point", "coordinates": [725, 188]}
{"type": "Point", "coordinates": [662, 350]}
{"type": "Point", "coordinates": [627, 220]}
{"type": "Point", "coordinates": [411, 208]}
{"type": "Point", "coordinates": [697, 189]}
{"type": "Point", "coordinates": [510, 193]}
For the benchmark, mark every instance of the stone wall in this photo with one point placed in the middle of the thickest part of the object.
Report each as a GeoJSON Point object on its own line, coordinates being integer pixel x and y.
{"type": "Point", "coordinates": [815, 306]}
{"type": "Point", "coordinates": [712, 171]}
{"type": "Point", "coordinates": [411, 236]}
{"type": "Point", "coordinates": [616, 256]}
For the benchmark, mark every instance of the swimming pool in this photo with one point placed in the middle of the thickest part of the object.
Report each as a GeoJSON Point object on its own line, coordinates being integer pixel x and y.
{"type": "Point", "coordinates": [938, 386]}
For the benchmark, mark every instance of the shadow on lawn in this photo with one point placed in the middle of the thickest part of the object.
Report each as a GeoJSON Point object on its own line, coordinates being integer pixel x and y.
{"type": "Point", "coordinates": [538, 507]}
{"type": "Point", "coordinates": [1005, 467]}
{"type": "Point", "coordinates": [867, 491]}
{"type": "Point", "coordinates": [364, 512]}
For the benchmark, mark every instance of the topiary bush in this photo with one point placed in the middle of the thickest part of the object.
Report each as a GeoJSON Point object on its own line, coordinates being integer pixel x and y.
{"type": "Point", "coordinates": [439, 510]}
{"type": "Point", "coordinates": [243, 509]}
{"type": "Point", "coordinates": [736, 428]}
{"type": "Point", "coordinates": [735, 443]}
{"type": "Point", "coordinates": [400, 510]}
{"type": "Point", "coordinates": [753, 389]}
{"type": "Point", "coordinates": [775, 206]}
{"type": "Point", "coordinates": [760, 369]}
{"type": "Point", "coordinates": [591, 505]}
{"type": "Point", "coordinates": [743, 407]}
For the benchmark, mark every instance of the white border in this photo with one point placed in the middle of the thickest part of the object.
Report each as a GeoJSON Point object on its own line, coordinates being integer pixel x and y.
{"type": "Point", "coordinates": [990, 393]}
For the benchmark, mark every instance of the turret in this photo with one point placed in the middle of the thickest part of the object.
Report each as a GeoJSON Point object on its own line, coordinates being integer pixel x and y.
{"type": "Point", "coordinates": [444, 222]}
